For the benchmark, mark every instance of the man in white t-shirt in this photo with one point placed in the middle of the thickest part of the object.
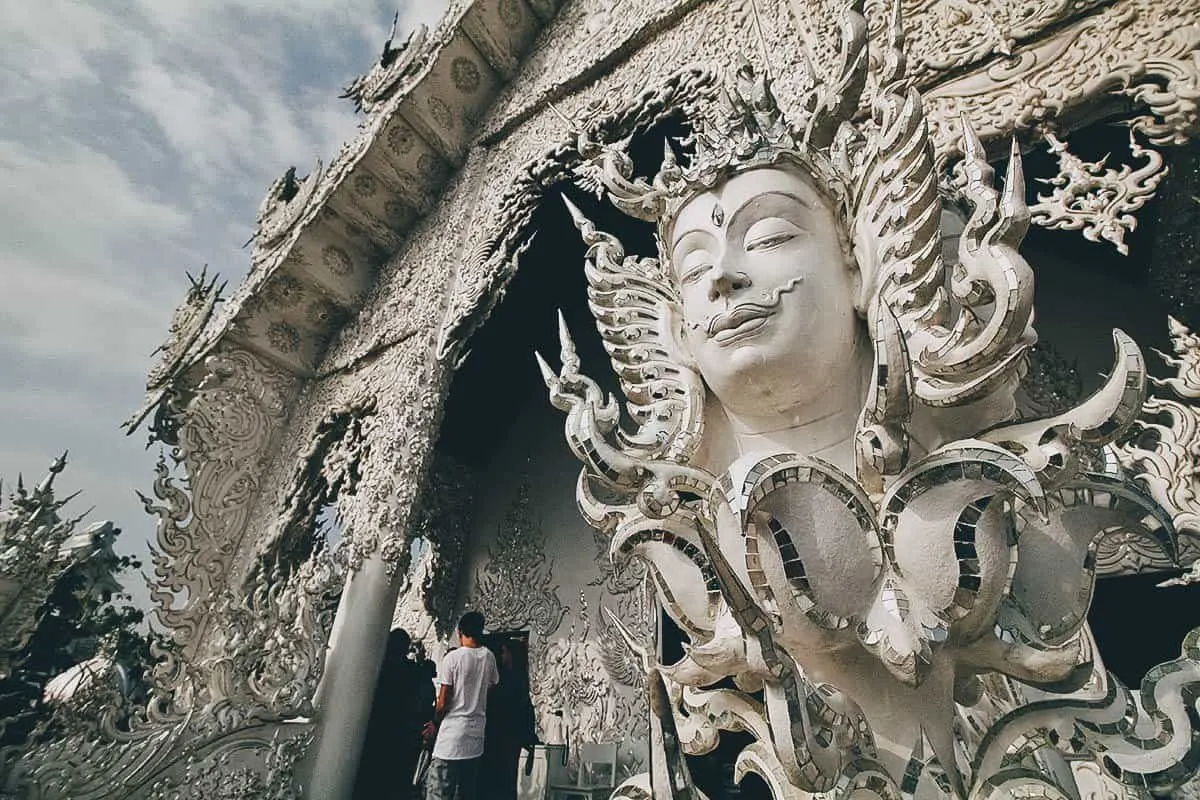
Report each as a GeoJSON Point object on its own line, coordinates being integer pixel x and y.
{"type": "Point", "coordinates": [464, 680]}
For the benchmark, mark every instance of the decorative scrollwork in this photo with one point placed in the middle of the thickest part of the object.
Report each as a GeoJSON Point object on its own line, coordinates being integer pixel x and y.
{"type": "Point", "coordinates": [229, 427]}
{"type": "Point", "coordinates": [440, 528]}
{"type": "Point", "coordinates": [223, 776]}
{"type": "Point", "coordinates": [1100, 201]}
{"type": "Point", "coordinates": [516, 589]}
{"type": "Point", "coordinates": [1163, 455]}
{"type": "Point", "coordinates": [572, 676]}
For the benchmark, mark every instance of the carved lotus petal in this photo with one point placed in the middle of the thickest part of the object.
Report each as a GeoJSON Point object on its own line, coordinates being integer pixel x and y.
{"type": "Point", "coordinates": [1056, 571]}
{"type": "Point", "coordinates": [810, 539]}
{"type": "Point", "coordinates": [678, 565]}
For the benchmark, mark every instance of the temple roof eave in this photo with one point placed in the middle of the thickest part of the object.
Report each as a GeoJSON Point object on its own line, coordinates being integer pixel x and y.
{"type": "Point", "coordinates": [322, 238]}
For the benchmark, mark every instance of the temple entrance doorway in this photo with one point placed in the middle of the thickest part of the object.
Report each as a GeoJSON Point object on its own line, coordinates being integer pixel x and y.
{"type": "Point", "coordinates": [529, 562]}
{"type": "Point", "coordinates": [511, 728]}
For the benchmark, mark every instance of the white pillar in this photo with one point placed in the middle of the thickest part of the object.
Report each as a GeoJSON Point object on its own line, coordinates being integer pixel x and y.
{"type": "Point", "coordinates": [343, 700]}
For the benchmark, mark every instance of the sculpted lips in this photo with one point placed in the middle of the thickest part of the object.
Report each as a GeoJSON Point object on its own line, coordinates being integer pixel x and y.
{"type": "Point", "coordinates": [739, 321]}
{"type": "Point", "coordinates": [745, 319]}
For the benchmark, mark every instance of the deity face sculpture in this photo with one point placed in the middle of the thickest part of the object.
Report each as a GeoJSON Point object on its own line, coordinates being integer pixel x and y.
{"type": "Point", "coordinates": [888, 575]}
{"type": "Point", "coordinates": [766, 293]}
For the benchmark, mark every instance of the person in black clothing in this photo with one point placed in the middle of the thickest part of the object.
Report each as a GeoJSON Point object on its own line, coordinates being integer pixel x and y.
{"type": "Point", "coordinates": [403, 704]}
{"type": "Point", "coordinates": [510, 722]}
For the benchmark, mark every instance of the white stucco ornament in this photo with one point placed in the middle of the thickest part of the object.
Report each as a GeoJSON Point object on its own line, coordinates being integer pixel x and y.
{"type": "Point", "coordinates": [824, 475]}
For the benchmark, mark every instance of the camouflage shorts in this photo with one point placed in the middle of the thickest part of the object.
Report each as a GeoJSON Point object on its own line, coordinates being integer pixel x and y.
{"type": "Point", "coordinates": [452, 780]}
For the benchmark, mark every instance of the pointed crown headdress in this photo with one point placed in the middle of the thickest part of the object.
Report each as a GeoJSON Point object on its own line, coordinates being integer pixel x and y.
{"type": "Point", "coordinates": [966, 330]}
{"type": "Point", "coordinates": [746, 129]}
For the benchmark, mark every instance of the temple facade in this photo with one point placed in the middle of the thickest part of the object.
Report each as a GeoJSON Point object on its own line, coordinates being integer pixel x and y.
{"type": "Point", "coordinates": [870, 325]}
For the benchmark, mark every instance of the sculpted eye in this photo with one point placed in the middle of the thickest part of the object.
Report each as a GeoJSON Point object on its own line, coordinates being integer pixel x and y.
{"type": "Point", "coordinates": [767, 242]}
{"type": "Point", "coordinates": [693, 268]}
{"type": "Point", "coordinates": [769, 233]}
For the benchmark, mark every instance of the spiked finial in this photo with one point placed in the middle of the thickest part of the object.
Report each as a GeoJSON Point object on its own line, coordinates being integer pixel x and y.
{"type": "Point", "coordinates": [1012, 202]}
{"type": "Point", "coordinates": [582, 223]}
{"type": "Point", "coordinates": [569, 358]}
{"type": "Point", "coordinates": [973, 152]}
{"type": "Point", "coordinates": [548, 376]}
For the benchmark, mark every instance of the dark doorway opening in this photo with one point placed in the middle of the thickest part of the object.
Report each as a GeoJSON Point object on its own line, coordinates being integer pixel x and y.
{"type": "Point", "coordinates": [1138, 625]}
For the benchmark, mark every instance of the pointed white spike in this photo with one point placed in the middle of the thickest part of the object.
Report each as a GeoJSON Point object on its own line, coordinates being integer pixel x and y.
{"type": "Point", "coordinates": [577, 216]}
{"type": "Point", "coordinates": [972, 147]}
{"type": "Point", "coordinates": [1014, 182]}
{"type": "Point", "coordinates": [1014, 213]}
{"type": "Point", "coordinates": [669, 159]}
{"type": "Point", "coordinates": [569, 358]}
{"type": "Point", "coordinates": [548, 376]}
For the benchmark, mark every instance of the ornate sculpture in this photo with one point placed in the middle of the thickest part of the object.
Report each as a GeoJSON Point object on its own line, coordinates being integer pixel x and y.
{"type": "Point", "coordinates": [1099, 202]}
{"type": "Point", "coordinates": [396, 64]}
{"type": "Point", "coordinates": [821, 471]}
{"type": "Point", "coordinates": [1164, 456]}
{"type": "Point", "coordinates": [516, 589]}
{"type": "Point", "coordinates": [34, 553]}
{"type": "Point", "coordinates": [178, 354]}
{"type": "Point", "coordinates": [285, 202]}
{"type": "Point", "coordinates": [439, 531]}
{"type": "Point", "coordinates": [573, 676]}
{"type": "Point", "coordinates": [264, 667]}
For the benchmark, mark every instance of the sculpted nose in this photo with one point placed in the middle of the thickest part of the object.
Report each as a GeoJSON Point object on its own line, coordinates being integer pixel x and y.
{"type": "Point", "coordinates": [724, 281]}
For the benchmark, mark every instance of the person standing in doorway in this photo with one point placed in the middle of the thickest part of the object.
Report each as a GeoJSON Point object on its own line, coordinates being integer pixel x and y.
{"type": "Point", "coordinates": [403, 704]}
{"type": "Point", "coordinates": [465, 677]}
{"type": "Point", "coordinates": [510, 721]}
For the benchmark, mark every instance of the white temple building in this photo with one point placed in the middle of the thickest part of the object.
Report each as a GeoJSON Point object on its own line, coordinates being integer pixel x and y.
{"type": "Point", "coordinates": [865, 370]}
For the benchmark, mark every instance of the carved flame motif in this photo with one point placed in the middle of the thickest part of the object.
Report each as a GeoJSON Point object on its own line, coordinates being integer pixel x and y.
{"type": "Point", "coordinates": [938, 587]}
{"type": "Point", "coordinates": [1098, 201]}
{"type": "Point", "coordinates": [1163, 455]}
{"type": "Point", "coordinates": [516, 589]}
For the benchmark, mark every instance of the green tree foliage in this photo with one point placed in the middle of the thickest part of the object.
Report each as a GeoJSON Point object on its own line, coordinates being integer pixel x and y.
{"type": "Point", "coordinates": [86, 614]}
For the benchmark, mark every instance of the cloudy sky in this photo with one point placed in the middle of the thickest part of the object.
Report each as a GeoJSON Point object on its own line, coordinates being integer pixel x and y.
{"type": "Point", "coordinates": [137, 138]}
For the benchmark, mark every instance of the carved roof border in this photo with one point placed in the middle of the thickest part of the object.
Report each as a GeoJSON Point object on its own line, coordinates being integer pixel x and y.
{"type": "Point", "coordinates": [322, 237]}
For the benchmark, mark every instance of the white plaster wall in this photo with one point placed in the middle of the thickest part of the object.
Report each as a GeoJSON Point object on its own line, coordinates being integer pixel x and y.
{"type": "Point", "coordinates": [567, 662]}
